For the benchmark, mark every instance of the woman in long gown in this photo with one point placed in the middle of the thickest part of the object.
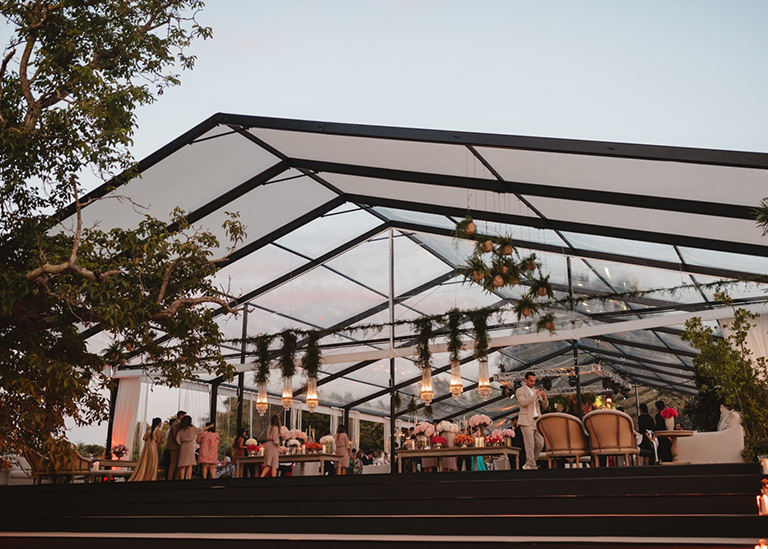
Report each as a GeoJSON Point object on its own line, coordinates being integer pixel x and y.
{"type": "Point", "coordinates": [146, 467]}
{"type": "Point", "coordinates": [186, 439]}
{"type": "Point", "coordinates": [271, 454]}
{"type": "Point", "coordinates": [341, 440]}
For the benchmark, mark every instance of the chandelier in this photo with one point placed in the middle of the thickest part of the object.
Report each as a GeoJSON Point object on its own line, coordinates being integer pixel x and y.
{"type": "Point", "coordinates": [311, 400]}
{"type": "Point", "coordinates": [262, 405]}
{"type": "Point", "coordinates": [287, 399]}
{"type": "Point", "coordinates": [483, 380]}
{"type": "Point", "coordinates": [426, 394]}
{"type": "Point", "coordinates": [456, 387]}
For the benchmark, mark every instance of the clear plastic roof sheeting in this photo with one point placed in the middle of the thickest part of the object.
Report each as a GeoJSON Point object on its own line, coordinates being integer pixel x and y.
{"type": "Point", "coordinates": [320, 199]}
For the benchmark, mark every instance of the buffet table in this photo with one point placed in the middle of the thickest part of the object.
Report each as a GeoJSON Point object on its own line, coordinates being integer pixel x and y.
{"type": "Point", "coordinates": [495, 451]}
{"type": "Point", "coordinates": [285, 458]}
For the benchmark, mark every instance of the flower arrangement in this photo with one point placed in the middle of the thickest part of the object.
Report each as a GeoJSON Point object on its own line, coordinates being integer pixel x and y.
{"type": "Point", "coordinates": [285, 432]}
{"type": "Point", "coordinates": [293, 443]}
{"type": "Point", "coordinates": [479, 420]}
{"type": "Point", "coordinates": [667, 413]}
{"type": "Point", "coordinates": [464, 440]}
{"type": "Point", "coordinates": [503, 433]}
{"type": "Point", "coordinates": [301, 435]}
{"type": "Point", "coordinates": [447, 427]}
{"type": "Point", "coordinates": [327, 439]}
{"type": "Point", "coordinates": [251, 441]}
{"type": "Point", "coordinates": [424, 428]}
{"type": "Point", "coordinates": [252, 448]}
{"type": "Point", "coordinates": [314, 446]}
{"type": "Point", "coordinates": [119, 450]}
{"type": "Point", "coordinates": [438, 440]}
{"type": "Point", "coordinates": [494, 440]}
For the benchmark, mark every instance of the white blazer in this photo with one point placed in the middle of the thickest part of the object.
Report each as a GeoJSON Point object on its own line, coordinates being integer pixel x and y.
{"type": "Point", "coordinates": [527, 403]}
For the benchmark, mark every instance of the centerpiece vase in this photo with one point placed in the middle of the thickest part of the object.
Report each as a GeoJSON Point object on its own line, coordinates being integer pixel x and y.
{"type": "Point", "coordinates": [421, 441]}
{"type": "Point", "coordinates": [669, 422]}
{"type": "Point", "coordinates": [450, 439]}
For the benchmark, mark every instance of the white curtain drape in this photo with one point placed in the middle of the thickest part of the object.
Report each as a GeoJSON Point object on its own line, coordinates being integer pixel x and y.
{"type": "Point", "coordinates": [126, 409]}
{"type": "Point", "coordinates": [757, 337]}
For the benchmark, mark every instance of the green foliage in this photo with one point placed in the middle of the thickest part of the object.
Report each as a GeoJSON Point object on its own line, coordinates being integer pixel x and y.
{"type": "Point", "coordinates": [479, 319]}
{"type": "Point", "coordinates": [371, 436]}
{"type": "Point", "coordinates": [727, 367]}
{"type": "Point", "coordinates": [94, 450]}
{"type": "Point", "coordinates": [455, 345]}
{"type": "Point", "coordinates": [526, 306]}
{"type": "Point", "coordinates": [704, 409]}
{"type": "Point", "coordinates": [761, 215]}
{"type": "Point", "coordinates": [262, 359]}
{"type": "Point", "coordinates": [546, 322]}
{"type": "Point", "coordinates": [423, 328]}
{"type": "Point", "coordinates": [313, 355]}
{"type": "Point", "coordinates": [288, 353]}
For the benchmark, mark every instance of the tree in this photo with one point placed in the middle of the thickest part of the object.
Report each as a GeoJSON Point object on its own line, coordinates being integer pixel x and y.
{"type": "Point", "coordinates": [734, 376]}
{"type": "Point", "coordinates": [71, 78]}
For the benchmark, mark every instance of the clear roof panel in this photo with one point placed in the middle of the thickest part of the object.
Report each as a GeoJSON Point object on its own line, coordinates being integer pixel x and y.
{"type": "Point", "coordinates": [257, 269]}
{"type": "Point", "coordinates": [621, 246]}
{"type": "Point", "coordinates": [725, 260]}
{"type": "Point", "coordinates": [628, 175]}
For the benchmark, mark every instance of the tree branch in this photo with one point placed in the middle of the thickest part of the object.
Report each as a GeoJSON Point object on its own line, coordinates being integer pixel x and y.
{"type": "Point", "coordinates": [174, 307]}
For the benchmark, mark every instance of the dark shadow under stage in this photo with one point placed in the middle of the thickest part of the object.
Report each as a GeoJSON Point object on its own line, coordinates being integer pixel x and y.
{"type": "Point", "coordinates": [675, 506]}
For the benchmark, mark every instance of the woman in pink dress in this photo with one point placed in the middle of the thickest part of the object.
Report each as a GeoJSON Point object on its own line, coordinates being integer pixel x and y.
{"type": "Point", "coordinates": [271, 454]}
{"type": "Point", "coordinates": [208, 454]}
{"type": "Point", "coordinates": [186, 439]}
{"type": "Point", "coordinates": [146, 468]}
{"type": "Point", "coordinates": [341, 440]}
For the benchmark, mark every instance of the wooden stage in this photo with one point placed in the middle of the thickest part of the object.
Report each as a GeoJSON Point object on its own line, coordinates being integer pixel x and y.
{"type": "Point", "coordinates": [680, 506]}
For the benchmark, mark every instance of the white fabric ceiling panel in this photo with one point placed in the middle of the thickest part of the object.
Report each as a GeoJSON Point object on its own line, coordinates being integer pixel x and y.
{"type": "Point", "coordinates": [189, 178]}
{"type": "Point", "coordinates": [380, 153]}
{"type": "Point", "coordinates": [657, 221]}
{"type": "Point", "coordinates": [625, 175]}
{"type": "Point", "coordinates": [429, 194]}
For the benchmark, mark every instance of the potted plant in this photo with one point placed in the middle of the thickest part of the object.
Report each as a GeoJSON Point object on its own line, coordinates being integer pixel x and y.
{"type": "Point", "coordinates": [525, 307]}
{"type": "Point", "coordinates": [465, 228]}
{"type": "Point", "coordinates": [505, 246]}
{"type": "Point", "coordinates": [541, 287]}
{"type": "Point", "coordinates": [484, 247]}
{"type": "Point", "coordinates": [475, 270]}
{"type": "Point", "coordinates": [546, 322]}
{"type": "Point", "coordinates": [530, 262]}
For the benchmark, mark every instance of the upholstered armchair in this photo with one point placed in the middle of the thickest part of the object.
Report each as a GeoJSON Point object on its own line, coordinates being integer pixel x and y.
{"type": "Point", "coordinates": [722, 446]}
{"type": "Point", "coordinates": [611, 433]}
{"type": "Point", "coordinates": [564, 437]}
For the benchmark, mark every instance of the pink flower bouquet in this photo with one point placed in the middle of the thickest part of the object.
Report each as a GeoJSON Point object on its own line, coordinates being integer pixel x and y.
{"type": "Point", "coordinates": [479, 420]}
{"type": "Point", "coordinates": [667, 413]}
{"type": "Point", "coordinates": [424, 428]}
{"type": "Point", "coordinates": [494, 439]}
{"type": "Point", "coordinates": [503, 433]}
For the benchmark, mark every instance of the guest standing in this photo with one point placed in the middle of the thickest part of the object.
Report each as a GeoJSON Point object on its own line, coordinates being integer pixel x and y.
{"type": "Point", "coordinates": [208, 454]}
{"type": "Point", "coordinates": [239, 450]}
{"type": "Point", "coordinates": [172, 446]}
{"type": "Point", "coordinates": [341, 440]}
{"type": "Point", "coordinates": [186, 440]}
{"type": "Point", "coordinates": [146, 468]}
{"type": "Point", "coordinates": [271, 453]}
{"type": "Point", "coordinates": [646, 426]}
{"type": "Point", "coordinates": [530, 400]}
{"type": "Point", "coordinates": [665, 445]}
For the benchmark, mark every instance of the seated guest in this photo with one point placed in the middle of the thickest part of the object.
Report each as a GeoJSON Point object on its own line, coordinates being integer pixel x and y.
{"type": "Point", "coordinates": [646, 426]}
{"type": "Point", "coordinates": [356, 464]}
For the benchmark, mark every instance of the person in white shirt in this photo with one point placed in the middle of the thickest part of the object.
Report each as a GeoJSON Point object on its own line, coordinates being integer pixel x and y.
{"type": "Point", "coordinates": [530, 401]}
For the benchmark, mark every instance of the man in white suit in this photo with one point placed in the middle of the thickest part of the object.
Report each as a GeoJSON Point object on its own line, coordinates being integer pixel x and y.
{"type": "Point", "coordinates": [530, 401]}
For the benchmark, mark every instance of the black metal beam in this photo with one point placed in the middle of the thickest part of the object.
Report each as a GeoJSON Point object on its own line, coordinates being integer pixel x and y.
{"type": "Point", "coordinates": [600, 256]}
{"type": "Point", "coordinates": [640, 360]}
{"type": "Point", "coordinates": [567, 226]}
{"type": "Point", "coordinates": [542, 144]}
{"type": "Point", "coordinates": [646, 346]}
{"type": "Point", "coordinates": [562, 192]}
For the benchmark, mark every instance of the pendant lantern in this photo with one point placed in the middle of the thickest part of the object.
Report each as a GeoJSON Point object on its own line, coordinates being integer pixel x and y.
{"type": "Point", "coordinates": [426, 394]}
{"type": "Point", "coordinates": [483, 380]}
{"type": "Point", "coordinates": [456, 387]}
{"type": "Point", "coordinates": [262, 405]}
{"type": "Point", "coordinates": [287, 400]}
{"type": "Point", "coordinates": [312, 394]}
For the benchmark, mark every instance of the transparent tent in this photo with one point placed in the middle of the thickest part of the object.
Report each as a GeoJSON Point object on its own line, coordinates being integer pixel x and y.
{"type": "Point", "coordinates": [332, 209]}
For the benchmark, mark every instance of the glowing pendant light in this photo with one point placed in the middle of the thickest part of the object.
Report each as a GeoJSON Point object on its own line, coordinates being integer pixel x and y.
{"type": "Point", "coordinates": [456, 386]}
{"type": "Point", "coordinates": [287, 400]}
{"type": "Point", "coordinates": [426, 394]}
{"type": "Point", "coordinates": [483, 380]}
{"type": "Point", "coordinates": [262, 405]}
{"type": "Point", "coordinates": [312, 394]}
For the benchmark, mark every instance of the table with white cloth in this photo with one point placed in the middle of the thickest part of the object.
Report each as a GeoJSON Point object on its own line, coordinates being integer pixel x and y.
{"type": "Point", "coordinates": [285, 458]}
{"type": "Point", "coordinates": [492, 451]}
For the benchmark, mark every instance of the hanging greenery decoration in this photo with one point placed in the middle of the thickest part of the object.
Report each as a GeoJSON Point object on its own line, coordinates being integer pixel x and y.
{"type": "Point", "coordinates": [288, 353]}
{"type": "Point", "coordinates": [412, 408]}
{"type": "Point", "coordinates": [541, 287]}
{"type": "Point", "coordinates": [262, 358]}
{"type": "Point", "coordinates": [429, 413]}
{"type": "Point", "coordinates": [423, 328]}
{"type": "Point", "coordinates": [526, 306]}
{"type": "Point", "coordinates": [455, 345]}
{"type": "Point", "coordinates": [546, 322]}
{"type": "Point", "coordinates": [479, 319]}
{"type": "Point", "coordinates": [465, 228]}
{"type": "Point", "coordinates": [396, 400]}
{"type": "Point", "coordinates": [313, 355]}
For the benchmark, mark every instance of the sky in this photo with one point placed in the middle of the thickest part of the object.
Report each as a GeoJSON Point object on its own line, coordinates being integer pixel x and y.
{"type": "Point", "coordinates": [683, 73]}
